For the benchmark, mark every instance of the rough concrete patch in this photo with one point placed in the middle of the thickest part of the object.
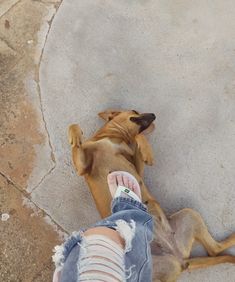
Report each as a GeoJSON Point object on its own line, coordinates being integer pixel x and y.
{"type": "Point", "coordinates": [31, 237]}
{"type": "Point", "coordinates": [26, 237]}
{"type": "Point", "coordinates": [19, 132]}
{"type": "Point", "coordinates": [7, 56]}
{"type": "Point", "coordinates": [23, 28]}
{"type": "Point", "coordinates": [23, 137]}
{"type": "Point", "coordinates": [5, 5]}
{"type": "Point", "coordinates": [50, 1]}
{"type": "Point", "coordinates": [44, 163]}
{"type": "Point", "coordinates": [45, 274]}
{"type": "Point", "coordinates": [30, 205]}
{"type": "Point", "coordinates": [62, 235]}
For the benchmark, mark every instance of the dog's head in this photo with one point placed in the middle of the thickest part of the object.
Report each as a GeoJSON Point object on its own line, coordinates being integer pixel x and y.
{"type": "Point", "coordinates": [132, 121]}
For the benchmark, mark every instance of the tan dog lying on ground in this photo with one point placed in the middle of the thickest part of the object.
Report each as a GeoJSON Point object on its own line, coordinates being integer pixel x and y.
{"type": "Point", "coordinates": [120, 145]}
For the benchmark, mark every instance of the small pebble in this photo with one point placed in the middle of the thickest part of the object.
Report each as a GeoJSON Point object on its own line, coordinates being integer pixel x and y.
{"type": "Point", "coordinates": [5, 216]}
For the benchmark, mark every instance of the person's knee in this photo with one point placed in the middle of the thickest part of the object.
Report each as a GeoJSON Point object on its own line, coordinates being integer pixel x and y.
{"type": "Point", "coordinates": [100, 256]}
{"type": "Point", "coordinates": [108, 232]}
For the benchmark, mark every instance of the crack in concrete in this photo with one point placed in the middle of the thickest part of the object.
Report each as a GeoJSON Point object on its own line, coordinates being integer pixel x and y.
{"type": "Point", "coordinates": [40, 59]}
{"type": "Point", "coordinates": [27, 195]}
{"type": "Point", "coordinates": [18, 187]}
{"type": "Point", "coordinates": [43, 178]}
{"type": "Point", "coordinates": [10, 8]}
{"type": "Point", "coordinates": [48, 2]}
{"type": "Point", "coordinates": [37, 80]}
{"type": "Point", "coordinates": [8, 44]}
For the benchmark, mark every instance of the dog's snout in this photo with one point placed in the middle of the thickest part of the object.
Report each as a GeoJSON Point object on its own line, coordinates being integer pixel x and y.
{"type": "Point", "coordinates": [150, 116]}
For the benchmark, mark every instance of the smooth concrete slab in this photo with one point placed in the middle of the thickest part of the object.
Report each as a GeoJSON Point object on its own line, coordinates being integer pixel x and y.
{"type": "Point", "coordinates": [173, 58]}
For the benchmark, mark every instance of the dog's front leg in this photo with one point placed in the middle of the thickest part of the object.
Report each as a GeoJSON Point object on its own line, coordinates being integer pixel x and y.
{"type": "Point", "coordinates": [145, 149]}
{"type": "Point", "coordinates": [143, 153]}
{"type": "Point", "coordinates": [79, 156]}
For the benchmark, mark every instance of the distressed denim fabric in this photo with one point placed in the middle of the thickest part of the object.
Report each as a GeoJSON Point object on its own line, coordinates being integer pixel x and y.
{"type": "Point", "coordinates": [131, 219]}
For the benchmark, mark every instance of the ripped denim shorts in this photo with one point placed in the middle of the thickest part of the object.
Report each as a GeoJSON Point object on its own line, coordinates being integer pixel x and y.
{"type": "Point", "coordinates": [135, 225]}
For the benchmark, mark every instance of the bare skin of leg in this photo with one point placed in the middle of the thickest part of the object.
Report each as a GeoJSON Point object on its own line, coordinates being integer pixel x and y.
{"type": "Point", "coordinates": [105, 231]}
{"type": "Point", "coordinates": [114, 179]}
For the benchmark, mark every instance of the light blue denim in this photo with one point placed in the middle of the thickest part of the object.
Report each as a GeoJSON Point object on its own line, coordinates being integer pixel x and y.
{"type": "Point", "coordinates": [138, 261]}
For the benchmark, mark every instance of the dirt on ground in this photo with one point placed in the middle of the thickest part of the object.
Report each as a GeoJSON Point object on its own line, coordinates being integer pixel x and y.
{"type": "Point", "coordinates": [27, 234]}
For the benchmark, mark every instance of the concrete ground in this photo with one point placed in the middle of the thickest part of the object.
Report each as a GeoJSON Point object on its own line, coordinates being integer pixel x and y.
{"type": "Point", "coordinates": [173, 58]}
{"type": "Point", "coordinates": [27, 233]}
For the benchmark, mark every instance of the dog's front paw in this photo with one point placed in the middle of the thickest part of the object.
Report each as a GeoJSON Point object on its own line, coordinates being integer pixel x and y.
{"type": "Point", "coordinates": [145, 149]}
{"type": "Point", "coordinates": [147, 156]}
{"type": "Point", "coordinates": [75, 135]}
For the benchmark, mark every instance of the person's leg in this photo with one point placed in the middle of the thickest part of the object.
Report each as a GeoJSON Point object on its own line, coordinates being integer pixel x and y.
{"type": "Point", "coordinates": [108, 251]}
{"type": "Point", "coordinates": [115, 180]}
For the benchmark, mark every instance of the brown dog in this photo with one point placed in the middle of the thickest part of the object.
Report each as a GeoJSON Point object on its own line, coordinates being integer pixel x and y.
{"type": "Point", "coordinates": [120, 145]}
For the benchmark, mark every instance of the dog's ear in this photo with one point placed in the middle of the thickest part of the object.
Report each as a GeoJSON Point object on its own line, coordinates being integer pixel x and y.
{"type": "Point", "coordinates": [109, 114]}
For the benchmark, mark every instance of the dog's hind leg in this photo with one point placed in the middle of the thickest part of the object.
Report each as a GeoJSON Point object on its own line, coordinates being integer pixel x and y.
{"type": "Point", "coordinates": [189, 226]}
{"type": "Point", "coordinates": [212, 246]}
{"type": "Point", "coordinates": [81, 160]}
{"type": "Point", "coordinates": [202, 262]}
